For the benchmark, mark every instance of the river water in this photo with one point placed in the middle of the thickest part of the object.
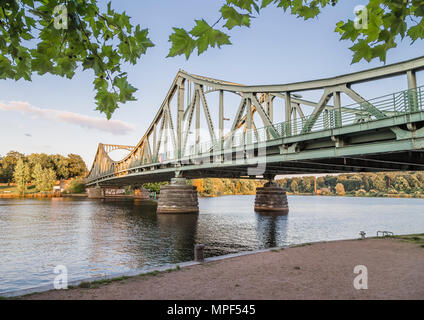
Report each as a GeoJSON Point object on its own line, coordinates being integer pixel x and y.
{"type": "Point", "coordinates": [94, 238]}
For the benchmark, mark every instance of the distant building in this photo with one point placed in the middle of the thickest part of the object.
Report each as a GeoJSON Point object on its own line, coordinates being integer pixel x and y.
{"type": "Point", "coordinates": [60, 186]}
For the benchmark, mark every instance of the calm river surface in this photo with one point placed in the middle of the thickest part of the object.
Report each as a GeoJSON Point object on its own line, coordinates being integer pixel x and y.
{"type": "Point", "coordinates": [94, 238]}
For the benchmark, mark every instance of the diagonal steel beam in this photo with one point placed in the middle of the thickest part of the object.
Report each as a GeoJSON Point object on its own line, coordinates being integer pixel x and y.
{"type": "Point", "coordinates": [207, 113]}
{"type": "Point", "coordinates": [317, 111]}
{"type": "Point", "coordinates": [265, 118]}
{"type": "Point", "coordinates": [190, 113]}
{"type": "Point", "coordinates": [364, 103]}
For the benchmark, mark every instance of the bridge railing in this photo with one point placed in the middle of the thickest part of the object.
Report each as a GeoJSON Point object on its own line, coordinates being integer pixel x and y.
{"type": "Point", "coordinates": [390, 105]}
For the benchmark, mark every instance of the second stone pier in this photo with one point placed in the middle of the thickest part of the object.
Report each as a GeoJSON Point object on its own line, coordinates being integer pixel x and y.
{"type": "Point", "coordinates": [178, 197]}
{"type": "Point", "coordinates": [271, 198]}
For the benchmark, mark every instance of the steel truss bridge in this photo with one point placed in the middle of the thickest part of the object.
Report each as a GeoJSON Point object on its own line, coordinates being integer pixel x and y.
{"type": "Point", "coordinates": [380, 134]}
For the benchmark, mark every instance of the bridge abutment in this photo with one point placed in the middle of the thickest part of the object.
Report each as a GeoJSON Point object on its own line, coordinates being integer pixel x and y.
{"type": "Point", "coordinates": [178, 197]}
{"type": "Point", "coordinates": [271, 198]}
{"type": "Point", "coordinates": [96, 193]}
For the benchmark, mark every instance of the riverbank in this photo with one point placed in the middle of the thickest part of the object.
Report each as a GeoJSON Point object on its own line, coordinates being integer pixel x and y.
{"type": "Point", "coordinates": [365, 195]}
{"type": "Point", "coordinates": [30, 195]}
{"type": "Point", "coordinates": [311, 271]}
{"type": "Point", "coordinates": [42, 195]}
{"type": "Point", "coordinates": [384, 195]}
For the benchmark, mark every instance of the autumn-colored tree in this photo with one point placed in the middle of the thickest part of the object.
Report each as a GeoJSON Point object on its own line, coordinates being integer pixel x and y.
{"type": "Point", "coordinates": [320, 182]}
{"type": "Point", "coordinates": [401, 184]}
{"type": "Point", "coordinates": [199, 184]}
{"type": "Point", "coordinates": [294, 186]}
{"type": "Point", "coordinates": [379, 183]}
{"type": "Point", "coordinates": [340, 191]}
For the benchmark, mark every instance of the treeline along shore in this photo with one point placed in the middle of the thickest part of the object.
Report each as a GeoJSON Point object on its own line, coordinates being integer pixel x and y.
{"type": "Point", "coordinates": [41, 175]}
{"type": "Point", "coordinates": [382, 184]}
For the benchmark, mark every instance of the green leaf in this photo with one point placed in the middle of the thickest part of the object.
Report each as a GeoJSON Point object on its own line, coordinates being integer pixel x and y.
{"type": "Point", "coordinates": [265, 3]}
{"type": "Point", "coordinates": [234, 18]}
{"type": "Point", "coordinates": [361, 50]}
{"type": "Point", "coordinates": [182, 43]}
{"type": "Point", "coordinates": [416, 32]}
{"type": "Point", "coordinates": [207, 36]}
{"type": "Point", "coordinates": [125, 89]}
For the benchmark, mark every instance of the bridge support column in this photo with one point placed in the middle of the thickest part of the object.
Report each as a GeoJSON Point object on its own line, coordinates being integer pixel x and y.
{"type": "Point", "coordinates": [178, 197]}
{"type": "Point", "coordinates": [96, 193]}
{"type": "Point", "coordinates": [271, 198]}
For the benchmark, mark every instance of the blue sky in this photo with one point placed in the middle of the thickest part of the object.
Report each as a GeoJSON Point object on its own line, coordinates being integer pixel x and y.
{"type": "Point", "coordinates": [278, 48]}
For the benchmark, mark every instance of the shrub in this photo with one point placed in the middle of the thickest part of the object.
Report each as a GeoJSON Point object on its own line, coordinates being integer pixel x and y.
{"type": "Point", "coordinates": [76, 185]}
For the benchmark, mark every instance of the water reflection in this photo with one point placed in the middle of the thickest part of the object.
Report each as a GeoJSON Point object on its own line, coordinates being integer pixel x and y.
{"type": "Point", "coordinates": [182, 230]}
{"type": "Point", "coordinates": [272, 229]}
{"type": "Point", "coordinates": [101, 237]}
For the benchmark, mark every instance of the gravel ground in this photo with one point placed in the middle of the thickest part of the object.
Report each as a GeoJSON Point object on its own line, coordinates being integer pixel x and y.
{"type": "Point", "coordinates": [317, 271]}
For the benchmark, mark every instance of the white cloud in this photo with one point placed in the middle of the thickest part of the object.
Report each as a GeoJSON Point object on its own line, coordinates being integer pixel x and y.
{"type": "Point", "coordinates": [116, 127]}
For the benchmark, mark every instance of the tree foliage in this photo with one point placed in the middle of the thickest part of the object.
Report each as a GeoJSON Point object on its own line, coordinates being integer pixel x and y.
{"type": "Point", "coordinates": [37, 176]}
{"type": "Point", "coordinates": [387, 21]}
{"type": "Point", "coordinates": [63, 167]}
{"type": "Point", "coordinates": [76, 185]}
{"type": "Point", "coordinates": [21, 175]}
{"type": "Point", "coordinates": [370, 184]}
{"type": "Point", "coordinates": [379, 184]}
{"type": "Point", "coordinates": [7, 165]}
{"type": "Point", "coordinates": [340, 189]}
{"type": "Point", "coordinates": [33, 39]}
{"type": "Point", "coordinates": [154, 186]}
{"type": "Point", "coordinates": [43, 178]}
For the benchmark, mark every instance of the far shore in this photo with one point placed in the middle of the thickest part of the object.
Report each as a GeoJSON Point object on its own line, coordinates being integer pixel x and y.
{"type": "Point", "coordinates": [385, 195]}
{"type": "Point", "coordinates": [324, 270]}
{"type": "Point", "coordinates": [85, 195]}
{"type": "Point", "coordinates": [41, 195]}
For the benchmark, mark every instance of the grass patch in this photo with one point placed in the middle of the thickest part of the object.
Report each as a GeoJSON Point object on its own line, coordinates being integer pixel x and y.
{"type": "Point", "coordinates": [153, 273]}
{"type": "Point", "coordinates": [302, 245]}
{"type": "Point", "coordinates": [413, 238]}
{"type": "Point", "coordinates": [274, 250]}
{"type": "Point", "coordinates": [297, 268]}
{"type": "Point", "coordinates": [84, 285]}
{"type": "Point", "coordinates": [3, 298]}
{"type": "Point", "coordinates": [97, 283]}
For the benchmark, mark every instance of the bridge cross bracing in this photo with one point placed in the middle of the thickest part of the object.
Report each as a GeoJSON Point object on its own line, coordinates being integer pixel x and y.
{"type": "Point", "coordinates": [185, 138]}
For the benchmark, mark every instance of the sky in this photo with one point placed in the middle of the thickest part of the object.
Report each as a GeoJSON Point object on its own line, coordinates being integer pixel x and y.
{"type": "Point", "coordinates": [55, 115]}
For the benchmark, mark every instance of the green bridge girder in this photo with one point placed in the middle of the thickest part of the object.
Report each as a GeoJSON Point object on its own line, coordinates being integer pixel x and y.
{"type": "Point", "coordinates": [381, 134]}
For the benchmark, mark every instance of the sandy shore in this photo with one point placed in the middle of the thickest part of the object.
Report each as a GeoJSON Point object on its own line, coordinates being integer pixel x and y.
{"type": "Point", "coordinates": [317, 271]}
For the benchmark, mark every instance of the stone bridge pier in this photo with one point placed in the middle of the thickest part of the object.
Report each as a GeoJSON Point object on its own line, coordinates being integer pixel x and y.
{"type": "Point", "coordinates": [96, 193]}
{"type": "Point", "coordinates": [178, 197]}
{"type": "Point", "coordinates": [117, 193]}
{"type": "Point", "coordinates": [271, 198]}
